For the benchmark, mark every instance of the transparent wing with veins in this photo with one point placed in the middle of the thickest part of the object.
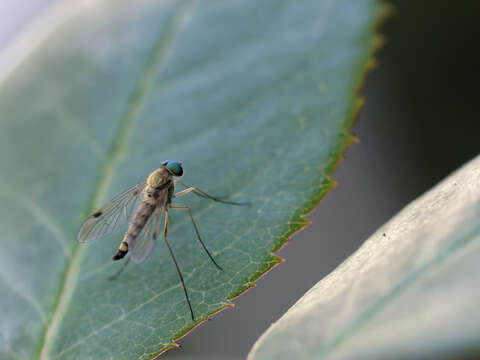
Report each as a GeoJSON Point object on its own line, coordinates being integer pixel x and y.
{"type": "Point", "coordinates": [141, 247]}
{"type": "Point", "coordinates": [114, 214]}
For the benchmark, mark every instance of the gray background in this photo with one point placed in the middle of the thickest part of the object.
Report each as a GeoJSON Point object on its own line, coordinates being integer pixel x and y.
{"type": "Point", "coordinates": [420, 122]}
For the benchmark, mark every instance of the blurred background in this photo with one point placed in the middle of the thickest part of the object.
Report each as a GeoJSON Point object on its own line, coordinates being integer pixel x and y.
{"type": "Point", "coordinates": [420, 122]}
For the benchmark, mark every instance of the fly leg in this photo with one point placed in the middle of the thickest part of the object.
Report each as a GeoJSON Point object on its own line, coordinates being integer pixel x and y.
{"type": "Point", "coordinates": [114, 276]}
{"type": "Point", "coordinates": [197, 232]}
{"type": "Point", "coordinates": [176, 264]}
{"type": "Point", "coordinates": [201, 193]}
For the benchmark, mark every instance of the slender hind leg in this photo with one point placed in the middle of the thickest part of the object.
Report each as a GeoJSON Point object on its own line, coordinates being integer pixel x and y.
{"type": "Point", "coordinates": [197, 232]}
{"type": "Point", "coordinates": [176, 264]}
{"type": "Point", "coordinates": [114, 276]}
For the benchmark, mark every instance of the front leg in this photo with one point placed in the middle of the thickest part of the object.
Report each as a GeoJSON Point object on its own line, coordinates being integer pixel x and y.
{"type": "Point", "coordinates": [203, 194]}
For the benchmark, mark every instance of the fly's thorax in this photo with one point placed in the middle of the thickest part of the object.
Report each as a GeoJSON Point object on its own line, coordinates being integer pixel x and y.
{"type": "Point", "coordinates": [159, 178]}
{"type": "Point", "coordinates": [157, 182]}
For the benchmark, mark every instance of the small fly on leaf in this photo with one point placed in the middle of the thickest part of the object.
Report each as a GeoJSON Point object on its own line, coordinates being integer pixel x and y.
{"type": "Point", "coordinates": [142, 207]}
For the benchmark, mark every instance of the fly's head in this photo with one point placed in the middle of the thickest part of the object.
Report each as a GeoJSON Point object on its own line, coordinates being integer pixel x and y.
{"type": "Point", "coordinates": [174, 168]}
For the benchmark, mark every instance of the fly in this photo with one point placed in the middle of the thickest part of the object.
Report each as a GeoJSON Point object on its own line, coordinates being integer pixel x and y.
{"type": "Point", "coordinates": [142, 207]}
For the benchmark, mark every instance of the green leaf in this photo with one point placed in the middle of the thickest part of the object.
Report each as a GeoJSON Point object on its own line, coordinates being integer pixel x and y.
{"type": "Point", "coordinates": [410, 292]}
{"type": "Point", "coordinates": [255, 96]}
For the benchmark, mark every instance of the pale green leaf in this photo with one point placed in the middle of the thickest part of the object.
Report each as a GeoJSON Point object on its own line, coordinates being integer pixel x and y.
{"type": "Point", "coordinates": [412, 291]}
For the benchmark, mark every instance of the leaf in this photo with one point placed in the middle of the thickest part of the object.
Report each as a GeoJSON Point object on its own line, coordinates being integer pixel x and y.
{"type": "Point", "coordinates": [410, 292]}
{"type": "Point", "coordinates": [255, 97]}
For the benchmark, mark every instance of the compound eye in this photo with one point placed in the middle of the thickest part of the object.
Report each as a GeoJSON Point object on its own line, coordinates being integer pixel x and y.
{"type": "Point", "coordinates": [174, 167]}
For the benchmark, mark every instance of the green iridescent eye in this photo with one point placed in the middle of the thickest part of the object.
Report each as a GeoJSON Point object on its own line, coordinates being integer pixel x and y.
{"type": "Point", "coordinates": [174, 167]}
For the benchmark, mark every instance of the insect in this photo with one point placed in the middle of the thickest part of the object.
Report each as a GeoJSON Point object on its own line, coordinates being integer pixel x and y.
{"type": "Point", "coordinates": [142, 206]}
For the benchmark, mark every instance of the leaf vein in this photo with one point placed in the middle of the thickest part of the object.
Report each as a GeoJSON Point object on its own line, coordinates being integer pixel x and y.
{"type": "Point", "coordinates": [117, 149]}
{"type": "Point", "coordinates": [25, 296]}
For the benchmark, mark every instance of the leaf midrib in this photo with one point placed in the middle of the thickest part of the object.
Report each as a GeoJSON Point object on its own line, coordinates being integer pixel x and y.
{"type": "Point", "coordinates": [118, 147]}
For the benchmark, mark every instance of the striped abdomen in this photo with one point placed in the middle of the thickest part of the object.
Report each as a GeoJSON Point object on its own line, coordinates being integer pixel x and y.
{"type": "Point", "coordinates": [144, 211]}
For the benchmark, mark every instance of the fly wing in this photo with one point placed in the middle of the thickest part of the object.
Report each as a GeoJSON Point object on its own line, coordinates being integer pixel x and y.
{"type": "Point", "coordinates": [117, 212]}
{"type": "Point", "coordinates": [141, 247]}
